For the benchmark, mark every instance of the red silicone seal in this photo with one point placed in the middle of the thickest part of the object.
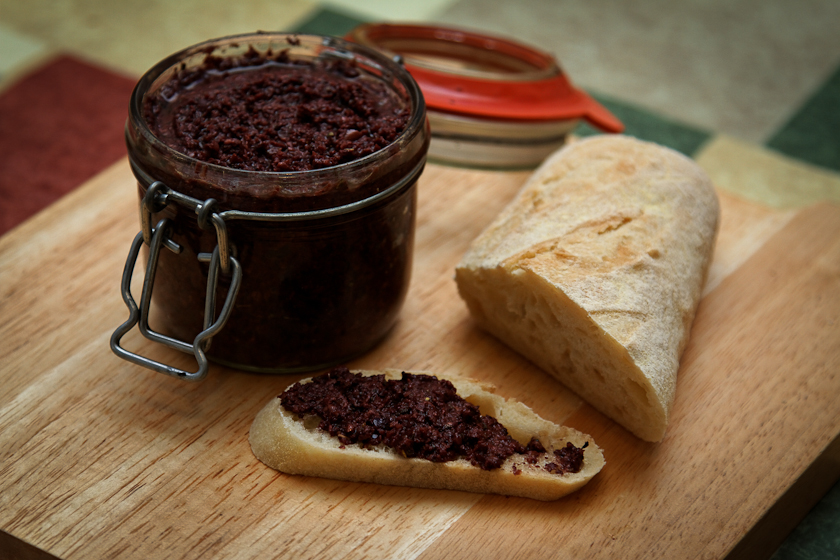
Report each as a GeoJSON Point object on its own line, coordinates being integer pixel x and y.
{"type": "Point", "coordinates": [482, 76]}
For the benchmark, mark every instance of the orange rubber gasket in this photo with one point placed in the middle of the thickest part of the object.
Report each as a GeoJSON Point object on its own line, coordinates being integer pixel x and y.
{"type": "Point", "coordinates": [538, 90]}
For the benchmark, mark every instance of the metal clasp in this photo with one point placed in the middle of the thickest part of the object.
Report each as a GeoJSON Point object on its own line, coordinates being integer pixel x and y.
{"type": "Point", "coordinates": [156, 198]}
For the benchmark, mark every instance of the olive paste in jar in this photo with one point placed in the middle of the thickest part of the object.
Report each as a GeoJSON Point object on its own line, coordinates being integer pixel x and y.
{"type": "Point", "coordinates": [329, 144]}
{"type": "Point", "coordinates": [266, 113]}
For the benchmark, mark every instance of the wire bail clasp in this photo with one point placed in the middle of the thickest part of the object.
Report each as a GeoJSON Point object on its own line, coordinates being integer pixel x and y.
{"type": "Point", "coordinates": [157, 197]}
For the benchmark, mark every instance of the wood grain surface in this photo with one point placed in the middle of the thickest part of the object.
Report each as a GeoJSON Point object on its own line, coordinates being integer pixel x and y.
{"type": "Point", "coordinates": [100, 458]}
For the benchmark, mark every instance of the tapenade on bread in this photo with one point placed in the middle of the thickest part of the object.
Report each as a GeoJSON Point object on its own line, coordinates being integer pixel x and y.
{"type": "Point", "coordinates": [420, 430]}
{"type": "Point", "coordinates": [594, 272]}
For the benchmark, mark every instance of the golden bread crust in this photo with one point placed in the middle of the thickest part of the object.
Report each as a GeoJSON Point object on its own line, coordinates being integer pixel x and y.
{"type": "Point", "coordinates": [594, 272]}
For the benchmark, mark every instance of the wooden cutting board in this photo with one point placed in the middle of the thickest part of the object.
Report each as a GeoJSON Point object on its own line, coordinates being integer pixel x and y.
{"type": "Point", "coordinates": [100, 458]}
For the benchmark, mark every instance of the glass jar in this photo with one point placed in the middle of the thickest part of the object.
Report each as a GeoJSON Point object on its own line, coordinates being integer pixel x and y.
{"type": "Point", "coordinates": [269, 271]}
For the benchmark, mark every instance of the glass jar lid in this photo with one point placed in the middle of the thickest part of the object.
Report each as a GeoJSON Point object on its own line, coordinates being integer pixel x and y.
{"type": "Point", "coordinates": [491, 101]}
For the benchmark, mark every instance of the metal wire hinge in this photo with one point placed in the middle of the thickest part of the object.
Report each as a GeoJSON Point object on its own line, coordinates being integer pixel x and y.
{"type": "Point", "coordinates": [157, 197]}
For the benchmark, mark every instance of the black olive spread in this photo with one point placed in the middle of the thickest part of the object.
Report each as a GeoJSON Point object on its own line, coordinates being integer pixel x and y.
{"type": "Point", "coordinates": [419, 416]}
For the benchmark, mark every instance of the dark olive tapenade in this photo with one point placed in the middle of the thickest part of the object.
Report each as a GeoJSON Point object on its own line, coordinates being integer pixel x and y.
{"type": "Point", "coordinates": [310, 148]}
{"type": "Point", "coordinates": [418, 416]}
{"type": "Point", "coordinates": [268, 113]}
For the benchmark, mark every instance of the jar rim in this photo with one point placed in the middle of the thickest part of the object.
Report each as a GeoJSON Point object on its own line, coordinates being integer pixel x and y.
{"type": "Point", "coordinates": [304, 215]}
{"type": "Point", "coordinates": [369, 57]}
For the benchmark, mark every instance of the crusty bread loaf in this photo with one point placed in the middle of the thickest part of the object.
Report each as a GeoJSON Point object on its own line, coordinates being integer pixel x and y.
{"type": "Point", "coordinates": [292, 445]}
{"type": "Point", "coordinates": [594, 272]}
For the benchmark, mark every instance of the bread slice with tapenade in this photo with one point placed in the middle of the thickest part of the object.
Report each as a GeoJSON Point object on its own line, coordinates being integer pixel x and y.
{"type": "Point", "coordinates": [594, 272]}
{"type": "Point", "coordinates": [302, 444]}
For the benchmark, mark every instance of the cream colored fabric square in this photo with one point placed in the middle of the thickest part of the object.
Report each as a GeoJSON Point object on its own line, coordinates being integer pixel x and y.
{"type": "Point", "coordinates": [763, 175]}
{"type": "Point", "coordinates": [132, 35]}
